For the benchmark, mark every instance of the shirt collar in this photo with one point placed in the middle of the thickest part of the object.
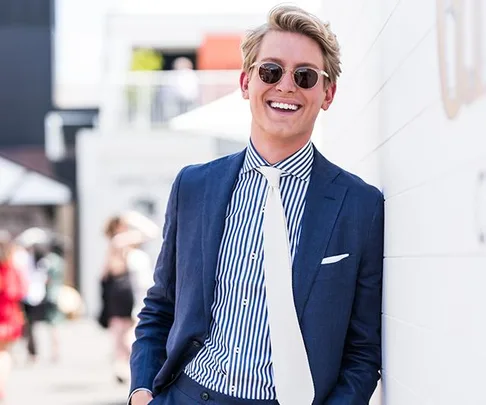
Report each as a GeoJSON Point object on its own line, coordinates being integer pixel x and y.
{"type": "Point", "coordinates": [299, 164]}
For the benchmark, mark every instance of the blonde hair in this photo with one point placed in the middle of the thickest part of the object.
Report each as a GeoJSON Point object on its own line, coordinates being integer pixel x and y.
{"type": "Point", "coordinates": [288, 18]}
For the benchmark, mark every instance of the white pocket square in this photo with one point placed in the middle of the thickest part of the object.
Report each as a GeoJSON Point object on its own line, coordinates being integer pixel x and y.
{"type": "Point", "coordinates": [334, 259]}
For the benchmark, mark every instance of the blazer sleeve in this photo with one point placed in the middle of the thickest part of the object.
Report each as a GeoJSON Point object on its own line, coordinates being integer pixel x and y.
{"type": "Point", "coordinates": [157, 316]}
{"type": "Point", "coordinates": [360, 367]}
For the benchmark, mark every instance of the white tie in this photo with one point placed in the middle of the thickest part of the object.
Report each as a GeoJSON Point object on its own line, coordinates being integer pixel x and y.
{"type": "Point", "coordinates": [292, 376]}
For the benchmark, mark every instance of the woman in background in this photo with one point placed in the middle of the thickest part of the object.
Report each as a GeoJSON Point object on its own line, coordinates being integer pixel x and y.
{"type": "Point", "coordinates": [12, 289]}
{"type": "Point", "coordinates": [34, 300]}
{"type": "Point", "coordinates": [123, 233]}
{"type": "Point", "coordinates": [54, 265]}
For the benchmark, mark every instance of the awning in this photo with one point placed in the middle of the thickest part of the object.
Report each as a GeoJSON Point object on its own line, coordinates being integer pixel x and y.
{"type": "Point", "coordinates": [228, 117]}
{"type": "Point", "coordinates": [22, 186]}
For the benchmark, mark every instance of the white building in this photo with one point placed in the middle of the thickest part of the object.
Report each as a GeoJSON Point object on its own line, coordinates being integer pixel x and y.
{"type": "Point", "coordinates": [409, 116]}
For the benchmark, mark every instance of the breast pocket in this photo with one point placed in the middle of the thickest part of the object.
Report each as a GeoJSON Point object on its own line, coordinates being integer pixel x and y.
{"type": "Point", "coordinates": [339, 267]}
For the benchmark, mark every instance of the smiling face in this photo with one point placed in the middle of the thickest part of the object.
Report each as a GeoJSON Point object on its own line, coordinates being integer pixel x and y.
{"type": "Point", "coordinates": [283, 114]}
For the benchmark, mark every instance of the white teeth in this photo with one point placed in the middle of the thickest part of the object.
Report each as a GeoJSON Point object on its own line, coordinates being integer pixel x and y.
{"type": "Point", "coordinates": [284, 106]}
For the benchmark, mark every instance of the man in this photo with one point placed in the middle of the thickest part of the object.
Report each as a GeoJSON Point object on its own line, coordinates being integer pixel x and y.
{"type": "Point", "coordinates": [268, 285]}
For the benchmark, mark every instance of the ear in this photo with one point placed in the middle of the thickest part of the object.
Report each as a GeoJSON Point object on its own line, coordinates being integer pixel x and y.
{"type": "Point", "coordinates": [244, 79]}
{"type": "Point", "coordinates": [329, 96]}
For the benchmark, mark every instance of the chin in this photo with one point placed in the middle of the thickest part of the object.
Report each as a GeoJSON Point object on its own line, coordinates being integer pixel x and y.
{"type": "Point", "coordinates": [282, 133]}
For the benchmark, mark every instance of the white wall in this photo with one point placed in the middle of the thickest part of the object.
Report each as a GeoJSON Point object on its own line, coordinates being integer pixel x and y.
{"type": "Point", "coordinates": [392, 125]}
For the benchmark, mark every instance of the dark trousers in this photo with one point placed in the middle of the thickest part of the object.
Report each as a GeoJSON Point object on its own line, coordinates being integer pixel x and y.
{"type": "Point", "coordinates": [186, 391]}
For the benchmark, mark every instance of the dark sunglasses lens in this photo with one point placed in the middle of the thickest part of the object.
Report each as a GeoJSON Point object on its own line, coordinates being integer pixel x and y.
{"type": "Point", "coordinates": [305, 78]}
{"type": "Point", "coordinates": [270, 73]}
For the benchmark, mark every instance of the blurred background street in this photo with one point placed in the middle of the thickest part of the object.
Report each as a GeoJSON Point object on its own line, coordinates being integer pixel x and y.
{"type": "Point", "coordinates": [83, 375]}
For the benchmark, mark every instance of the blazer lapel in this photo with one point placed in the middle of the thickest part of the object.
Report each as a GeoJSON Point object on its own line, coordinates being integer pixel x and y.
{"type": "Point", "coordinates": [220, 180]}
{"type": "Point", "coordinates": [323, 203]}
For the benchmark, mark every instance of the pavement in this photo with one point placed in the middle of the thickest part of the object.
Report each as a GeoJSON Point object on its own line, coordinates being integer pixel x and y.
{"type": "Point", "coordinates": [82, 376]}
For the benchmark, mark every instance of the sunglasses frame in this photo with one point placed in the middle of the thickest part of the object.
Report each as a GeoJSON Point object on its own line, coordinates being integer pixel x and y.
{"type": "Point", "coordinates": [285, 71]}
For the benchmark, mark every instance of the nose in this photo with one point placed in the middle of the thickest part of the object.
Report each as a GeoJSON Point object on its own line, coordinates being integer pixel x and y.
{"type": "Point", "coordinates": [286, 83]}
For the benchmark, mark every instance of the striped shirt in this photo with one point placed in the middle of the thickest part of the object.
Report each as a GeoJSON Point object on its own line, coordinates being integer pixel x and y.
{"type": "Point", "coordinates": [236, 358]}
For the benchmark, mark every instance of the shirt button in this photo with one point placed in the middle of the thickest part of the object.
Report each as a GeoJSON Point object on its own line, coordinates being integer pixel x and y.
{"type": "Point", "coordinates": [237, 350]}
{"type": "Point", "coordinates": [204, 396]}
{"type": "Point", "coordinates": [253, 256]}
{"type": "Point", "coordinates": [245, 302]}
{"type": "Point", "coordinates": [233, 388]}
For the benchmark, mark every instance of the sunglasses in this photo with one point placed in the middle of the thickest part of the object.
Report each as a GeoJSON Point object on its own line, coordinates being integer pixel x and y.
{"type": "Point", "coordinates": [304, 77]}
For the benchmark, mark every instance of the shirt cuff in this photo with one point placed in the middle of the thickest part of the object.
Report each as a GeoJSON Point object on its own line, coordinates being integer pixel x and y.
{"type": "Point", "coordinates": [129, 402]}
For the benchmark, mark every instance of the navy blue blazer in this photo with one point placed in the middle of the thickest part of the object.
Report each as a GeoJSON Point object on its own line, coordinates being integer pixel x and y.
{"type": "Point", "coordinates": [338, 304]}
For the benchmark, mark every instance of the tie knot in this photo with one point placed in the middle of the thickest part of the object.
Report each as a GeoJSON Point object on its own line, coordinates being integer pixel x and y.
{"type": "Point", "coordinates": [272, 175]}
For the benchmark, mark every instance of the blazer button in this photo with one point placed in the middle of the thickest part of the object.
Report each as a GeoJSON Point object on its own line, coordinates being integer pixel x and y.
{"type": "Point", "coordinates": [204, 396]}
{"type": "Point", "coordinates": [196, 343]}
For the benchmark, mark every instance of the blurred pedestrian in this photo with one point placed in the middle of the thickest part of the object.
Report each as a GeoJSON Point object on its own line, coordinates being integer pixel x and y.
{"type": "Point", "coordinates": [42, 255]}
{"type": "Point", "coordinates": [12, 289]}
{"type": "Point", "coordinates": [34, 301]}
{"type": "Point", "coordinates": [118, 283]}
{"type": "Point", "coordinates": [54, 267]}
{"type": "Point", "coordinates": [185, 85]}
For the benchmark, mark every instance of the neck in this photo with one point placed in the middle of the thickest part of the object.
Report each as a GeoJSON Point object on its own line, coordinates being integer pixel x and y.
{"type": "Point", "coordinates": [275, 151]}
